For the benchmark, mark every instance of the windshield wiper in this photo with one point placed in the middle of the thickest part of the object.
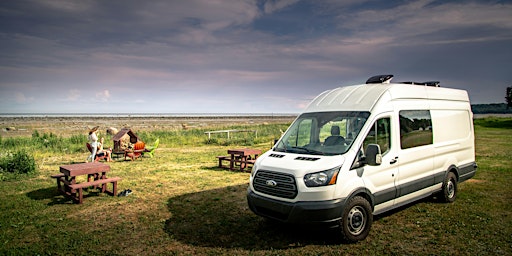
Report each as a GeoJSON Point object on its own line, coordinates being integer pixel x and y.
{"type": "Point", "coordinates": [310, 151]}
{"type": "Point", "coordinates": [284, 149]}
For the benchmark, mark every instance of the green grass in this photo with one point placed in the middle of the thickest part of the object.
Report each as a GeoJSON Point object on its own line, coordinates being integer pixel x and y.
{"type": "Point", "coordinates": [182, 204]}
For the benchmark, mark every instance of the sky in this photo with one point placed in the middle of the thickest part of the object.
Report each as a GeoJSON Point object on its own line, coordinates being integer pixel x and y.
{"type": "Point", "coordinates": [241, 56]}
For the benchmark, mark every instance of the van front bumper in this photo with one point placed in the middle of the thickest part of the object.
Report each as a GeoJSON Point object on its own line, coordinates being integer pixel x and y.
{"type": "Point", "coordinates": [316, 212]}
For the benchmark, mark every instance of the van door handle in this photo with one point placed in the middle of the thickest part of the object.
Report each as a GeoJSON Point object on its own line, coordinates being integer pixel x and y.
{"type": "Point", "coordinates": [394, 160]}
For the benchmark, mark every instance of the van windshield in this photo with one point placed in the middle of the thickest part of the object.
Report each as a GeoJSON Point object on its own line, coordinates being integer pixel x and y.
{"type": "Point", "coordinates": [322, 133]}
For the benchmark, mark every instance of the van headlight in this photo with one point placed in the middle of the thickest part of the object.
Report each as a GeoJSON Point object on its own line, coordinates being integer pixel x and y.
{"type": "Point", "coordinates": [253, 170]}
{"type": "Point", "coordinates": [323, 178]}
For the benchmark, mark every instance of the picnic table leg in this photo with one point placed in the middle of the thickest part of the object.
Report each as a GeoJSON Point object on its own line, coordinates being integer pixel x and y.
{"type": "Point", "coordinates": [243, 164]}
{"type": "Point", "coordinates": [247, 158]}
{"type": "Point", "coordinates": [104, 185]}
{"type": "Point", "coordinates": [80, 196]}
{"type": "Point", "coordinates": [77, 196]}
{"type": "Point", "coordinates": [69, 180]}
{"type": "Point", "coordinates": [114, 188]}
{"type": "Point", "coordinates": [95, 176]}
{"type": "Point", "coordinates": [232, 162]}
{"type": "Point", "coordinates": [59, 187]}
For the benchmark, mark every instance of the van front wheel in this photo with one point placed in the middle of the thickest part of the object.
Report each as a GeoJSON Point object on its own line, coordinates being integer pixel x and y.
{"type": "Point", "coordinates": [449, 192]}
{"type": "Point", "coordinates": [356, 220]}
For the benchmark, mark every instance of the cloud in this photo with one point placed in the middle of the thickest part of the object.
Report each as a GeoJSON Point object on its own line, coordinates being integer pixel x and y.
{"type": "Point", "coordinates": [20, 97]}
{"type": "Point", "coordinates": [161, 51]}
{"type": "Point", "coordinates": [271, 6]}
{"type": "Point", "coordinates": [429, 22]}
{"type": "Point", "coordinates": [103, 96]}
{"type": "Point", "coordinates": [67, 6]}
{"type": "Point", "coordinates": [73, 95]}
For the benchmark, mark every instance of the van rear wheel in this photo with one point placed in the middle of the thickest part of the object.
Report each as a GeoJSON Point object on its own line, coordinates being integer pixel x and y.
{"type": "Point", "coordinates": [356, 220]}
{"type": "Point", "coordinates": [449, 191]}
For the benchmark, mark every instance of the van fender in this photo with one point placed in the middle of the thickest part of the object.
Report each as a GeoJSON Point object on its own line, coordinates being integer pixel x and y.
{"type": "Point", "coordinates": [440, 177]}
{"type": "Point", "coordinates": [452, 168]}
{"type": "Point", "coordinates": [362, 192]}
{"type": "Point", "coordinates": [449, 165]}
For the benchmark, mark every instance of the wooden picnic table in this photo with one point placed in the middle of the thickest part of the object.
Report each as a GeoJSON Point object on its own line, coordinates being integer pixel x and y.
{"type": "Point", "coordinates": [128, 153]}
{"type": "Point", "coordinates": [96, 175]}
{"type": "Point", "coordinates": [118, 153]}
{"type": "Point", "coordinates": [239, 158]}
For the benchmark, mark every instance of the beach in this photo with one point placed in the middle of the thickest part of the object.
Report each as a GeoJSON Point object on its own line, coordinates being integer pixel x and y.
{"type": "Point", "coordinates": [65, 126]}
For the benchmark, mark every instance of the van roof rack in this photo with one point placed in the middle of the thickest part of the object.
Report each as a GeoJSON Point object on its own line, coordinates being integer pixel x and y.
{"type": "Point", "coordinates": [385, 79]}
{"type": "Point", "coordinates": [380, 79]}
{"type": "Point", "coordinates": [428, 83]}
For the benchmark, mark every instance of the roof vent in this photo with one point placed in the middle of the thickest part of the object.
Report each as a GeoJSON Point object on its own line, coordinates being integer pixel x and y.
{"type": "Point", "coordinates": [307, 158]}
{"type": "Point", "coordinates": [380, 79]}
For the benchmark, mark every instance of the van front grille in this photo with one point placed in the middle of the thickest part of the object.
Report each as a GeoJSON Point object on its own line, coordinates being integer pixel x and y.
{"type": "Point", "coordinates": [275, 184]}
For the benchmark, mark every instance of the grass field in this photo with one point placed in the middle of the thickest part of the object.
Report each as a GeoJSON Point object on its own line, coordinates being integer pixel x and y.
{"type": "Point", "coordinates": [182, 204]}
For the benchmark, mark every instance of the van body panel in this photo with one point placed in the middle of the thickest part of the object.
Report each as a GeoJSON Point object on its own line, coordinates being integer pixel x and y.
{"type": "Point", "coordinates": [381, 180]}
{"type": "Point", "coordinates": [328, 211]}
{"type": "Point", "coordinates": [412, 197]}
{"type": "Point", "coordinates": [298, 165]}
{"type": "Point", "coordinates": [467, 171]}
{"type": "Point", "coordinates": [424, 133]}
{"type": "Point", "coordinates": [415, 169]}
{"type": "Point", "coordinates": [349, 98]}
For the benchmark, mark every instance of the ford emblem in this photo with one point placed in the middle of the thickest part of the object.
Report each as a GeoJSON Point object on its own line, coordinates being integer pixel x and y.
{"type": "Point", "coordinates": [271, 183]}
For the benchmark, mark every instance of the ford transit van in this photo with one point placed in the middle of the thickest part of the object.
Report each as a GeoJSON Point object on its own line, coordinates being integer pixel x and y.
{"type": "Point", "coordinates": [361, 150]}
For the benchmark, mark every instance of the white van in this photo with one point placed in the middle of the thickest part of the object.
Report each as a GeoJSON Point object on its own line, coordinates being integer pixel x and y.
{"type": "Point", "coordinates": [362, 150]}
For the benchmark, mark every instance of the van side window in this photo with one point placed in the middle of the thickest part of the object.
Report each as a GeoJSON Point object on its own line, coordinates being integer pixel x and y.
{"type": "Point", "coordinates": [415, 128]}
{"type": "Point", "coordinates": [380, 134]}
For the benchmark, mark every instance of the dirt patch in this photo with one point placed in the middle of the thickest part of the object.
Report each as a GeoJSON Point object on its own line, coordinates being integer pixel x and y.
{"type": "Point", "coordinates": [475, 181]}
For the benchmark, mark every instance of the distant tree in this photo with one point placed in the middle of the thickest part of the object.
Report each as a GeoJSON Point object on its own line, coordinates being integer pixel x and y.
{"type": "Point", "coordinates": [509, 97]}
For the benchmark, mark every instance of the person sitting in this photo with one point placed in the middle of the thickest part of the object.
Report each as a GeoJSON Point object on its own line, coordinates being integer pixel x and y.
{"type": "Point", "coordinates": [101, 152]}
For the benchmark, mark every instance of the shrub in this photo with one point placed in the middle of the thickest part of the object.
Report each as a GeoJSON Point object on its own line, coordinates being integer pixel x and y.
{"type": "Point", "coordinates": [9, 143]}
{"type": "Point", "coordinates": [493, 122]}
{"type": "Point", "coordinates": [78, 139]}
{"type": "Point", "coordinates": [18, 163]}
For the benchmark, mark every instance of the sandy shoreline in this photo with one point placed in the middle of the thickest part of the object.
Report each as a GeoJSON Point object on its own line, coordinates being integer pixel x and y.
{"type": "Point", "coordinates": [67, 126]}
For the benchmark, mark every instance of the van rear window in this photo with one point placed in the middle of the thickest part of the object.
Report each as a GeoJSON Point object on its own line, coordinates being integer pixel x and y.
{"type": "Point", "coordinates": [415, 128]}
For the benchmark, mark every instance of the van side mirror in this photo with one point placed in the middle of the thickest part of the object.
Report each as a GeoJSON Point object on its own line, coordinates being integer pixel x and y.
{"type": "Point", "coordinates": [373, 155]}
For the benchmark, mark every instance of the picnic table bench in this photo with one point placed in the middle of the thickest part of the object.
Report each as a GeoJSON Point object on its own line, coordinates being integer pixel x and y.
{"type": "Point", "coordinates": [241, 158]}
{"type": "Point", "coordinates": [96, 177]}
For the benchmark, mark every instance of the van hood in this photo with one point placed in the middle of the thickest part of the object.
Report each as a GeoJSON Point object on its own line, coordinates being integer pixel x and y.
{"type": "Point", "coordinates": [297, 164]}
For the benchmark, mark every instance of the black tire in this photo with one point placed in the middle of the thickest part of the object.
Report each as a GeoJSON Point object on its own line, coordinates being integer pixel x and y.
{"type": "Point", "coordinates": [449, 191]}
{"type": "Point", "coordinates": [356, 220]}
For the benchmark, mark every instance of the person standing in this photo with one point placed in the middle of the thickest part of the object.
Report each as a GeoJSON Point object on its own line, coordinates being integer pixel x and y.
{"type": "Point", "coordinates": [93, 141]}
